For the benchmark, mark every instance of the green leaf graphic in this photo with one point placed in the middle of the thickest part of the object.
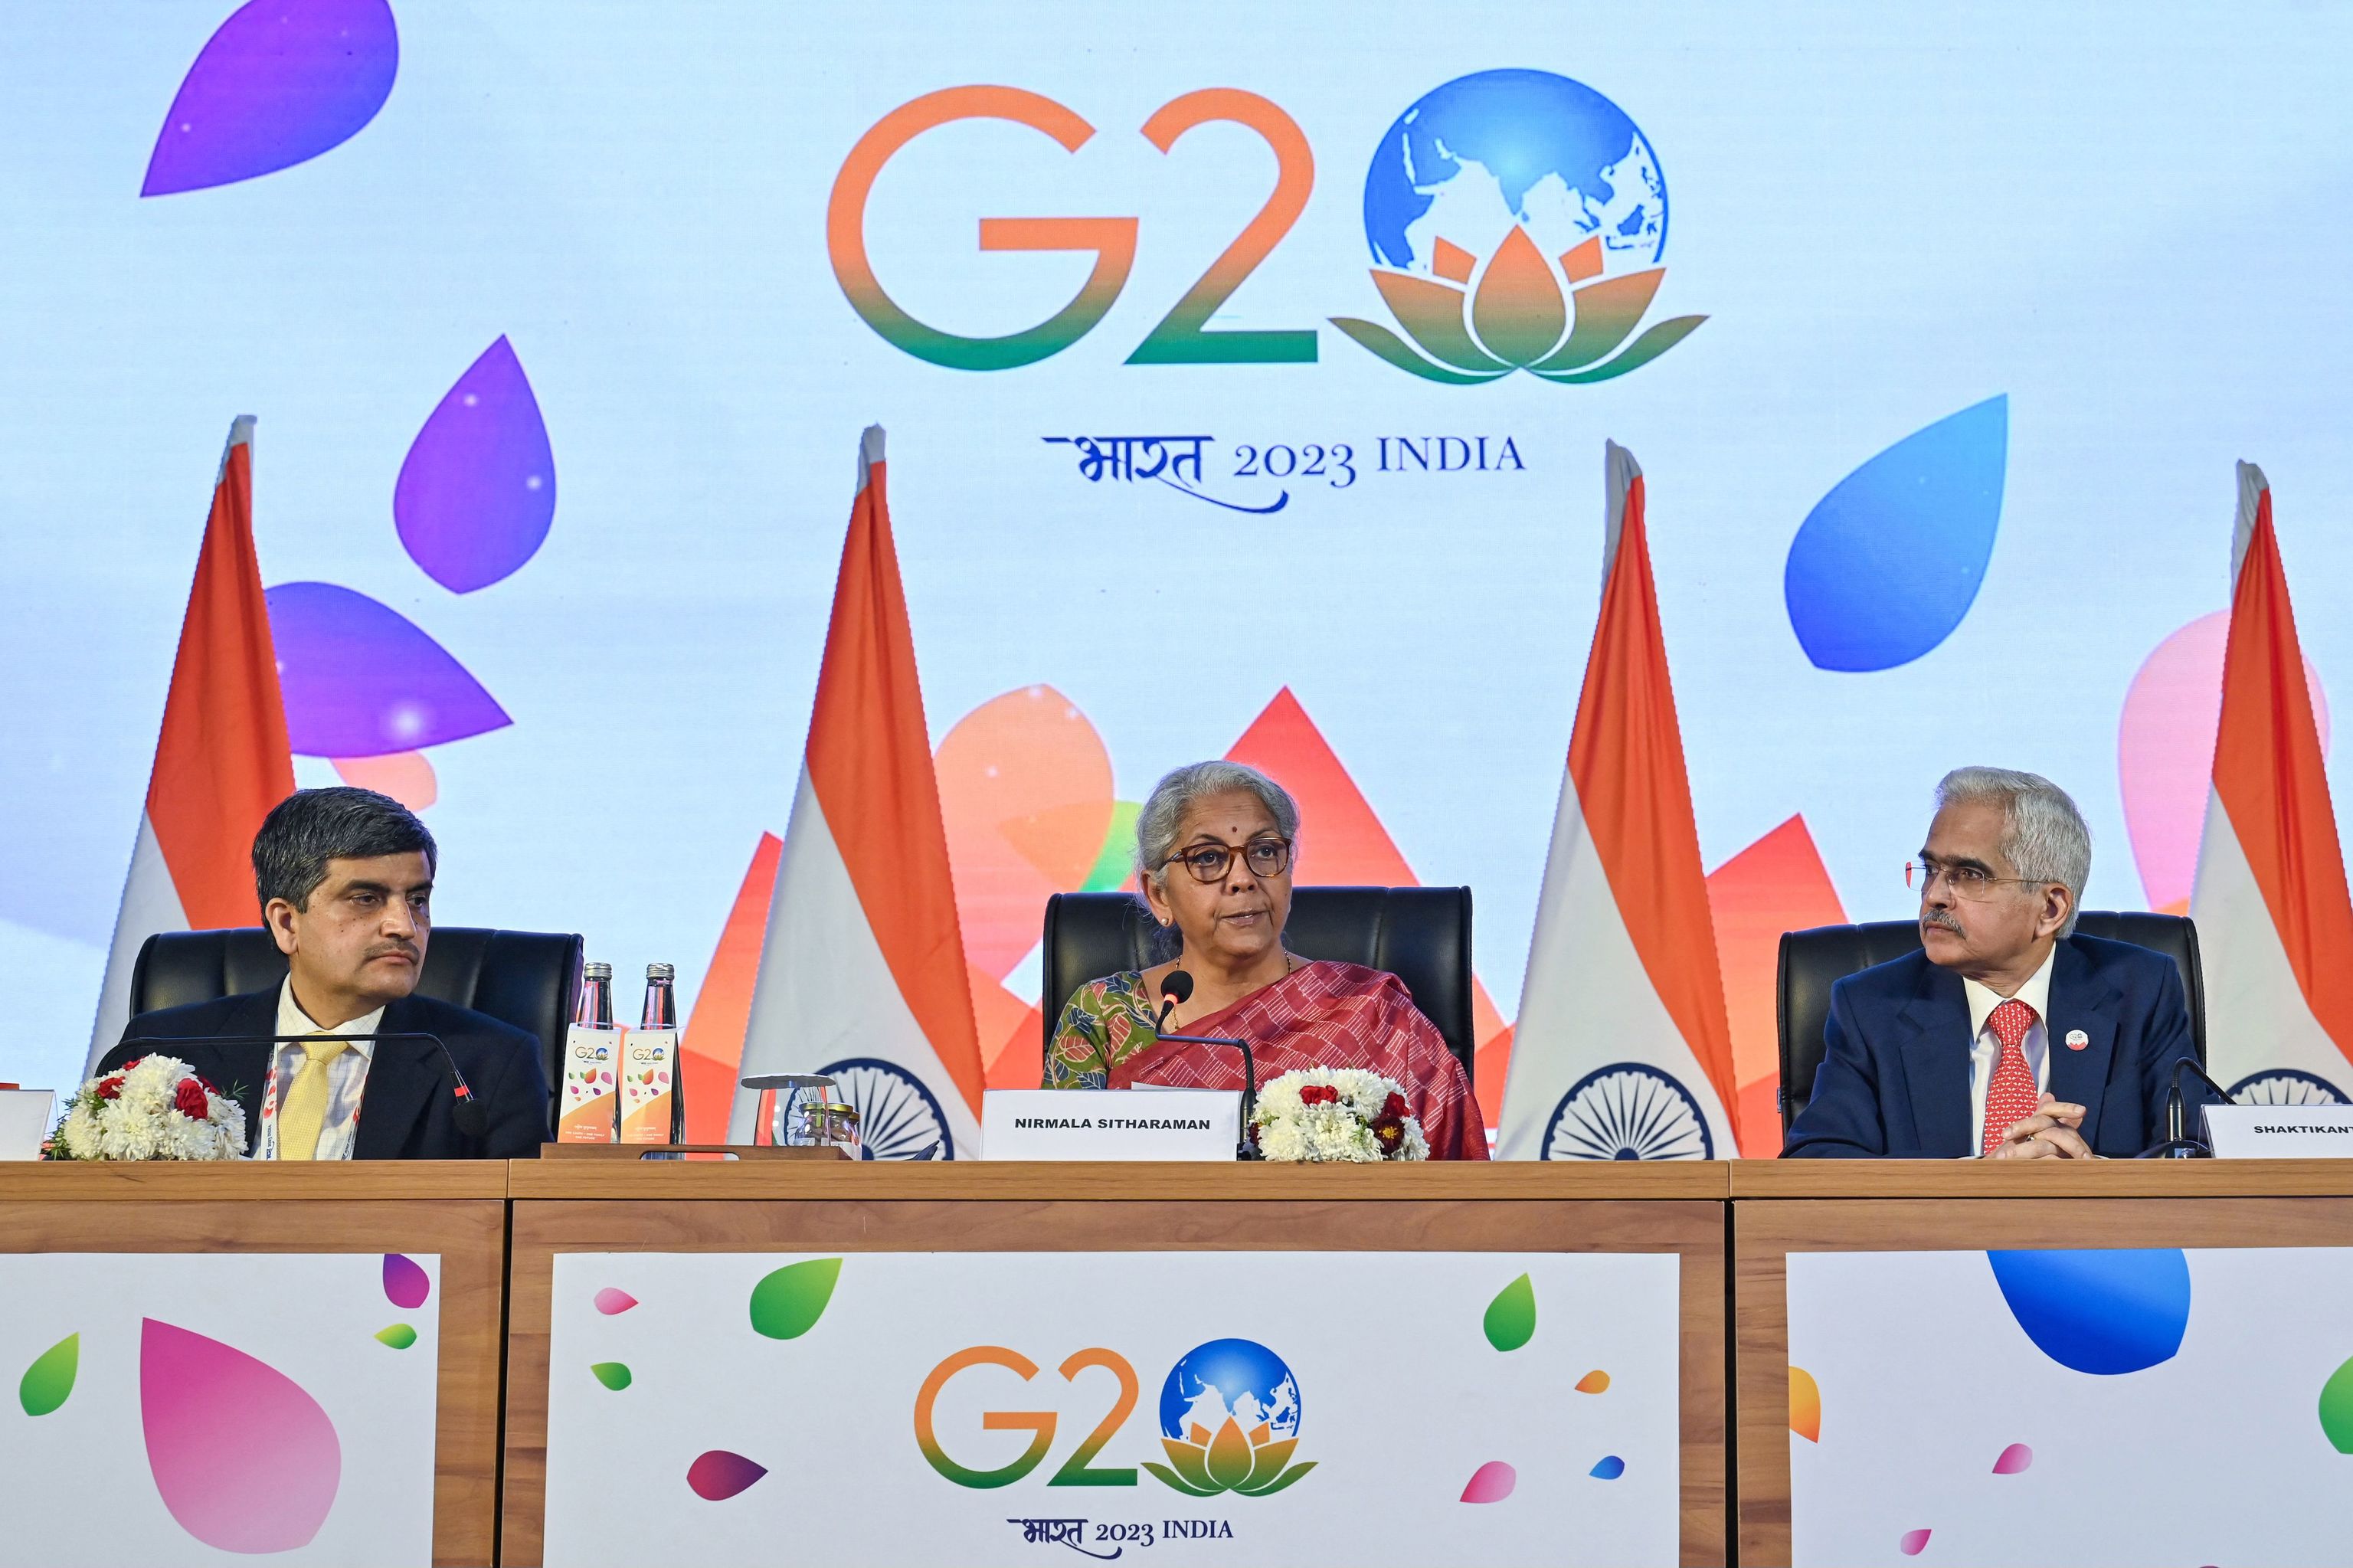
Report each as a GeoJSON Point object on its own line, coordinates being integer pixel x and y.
{"type": "Point", "coordinates": [400, 1335]}
{"type": "Point", "coordinates": [2336, 1406]}
{"type": "Point", "coordinates": [789, 1302]}
{"type": "Point", "coordinates": [612, 1374]}
{"type": "Point", "coordinates": [1512, 1315]}
{"type": "Point", "coordinates": [50, 1377]}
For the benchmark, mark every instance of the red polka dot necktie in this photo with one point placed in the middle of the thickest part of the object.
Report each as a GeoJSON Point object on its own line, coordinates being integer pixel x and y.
{"type": "Point", "coordinates": [2012, 1097]}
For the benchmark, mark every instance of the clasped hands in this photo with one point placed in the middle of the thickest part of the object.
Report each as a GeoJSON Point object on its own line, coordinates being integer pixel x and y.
{"type": "Point", "coordinates": [2049, 1134]}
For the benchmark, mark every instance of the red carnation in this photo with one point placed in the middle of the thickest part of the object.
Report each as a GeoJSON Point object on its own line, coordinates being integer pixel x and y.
{"type": "Point", "coordinates": [189, 1100]}
{"type": "Point", "coordinates": [1393, 1106]}
{"type": "Point", "coordinates": [109, 1088]}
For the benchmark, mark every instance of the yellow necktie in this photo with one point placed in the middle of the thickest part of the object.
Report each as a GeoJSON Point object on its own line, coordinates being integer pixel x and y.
{"type": "Point", "coordinates": [304, 1110]}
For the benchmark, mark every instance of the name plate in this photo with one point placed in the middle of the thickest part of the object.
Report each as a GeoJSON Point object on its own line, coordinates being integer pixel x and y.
{"type": "Point", "coordinates": [1108, 1124]}
{"type": "Point", "coordinates": [2280, 1132]}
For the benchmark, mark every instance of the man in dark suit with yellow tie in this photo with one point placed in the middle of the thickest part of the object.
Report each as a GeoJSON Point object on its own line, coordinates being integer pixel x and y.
{"type": "Point", "coordinates": [345, 880]}
{"type": "Point", "coordinates": [2006, 1037]}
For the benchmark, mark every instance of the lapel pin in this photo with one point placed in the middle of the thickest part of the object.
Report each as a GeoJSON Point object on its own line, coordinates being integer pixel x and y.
{"type": "Point", "coordinates": [2077, 1040]}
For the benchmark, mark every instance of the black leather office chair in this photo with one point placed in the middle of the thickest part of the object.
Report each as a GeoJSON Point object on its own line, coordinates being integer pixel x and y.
{"type": "Point", "coordinates": [1421, 935]}
{"type": "Point", "coordinates": [528, 978]}
{"type": "Point", "coordinates": [1811, 961]}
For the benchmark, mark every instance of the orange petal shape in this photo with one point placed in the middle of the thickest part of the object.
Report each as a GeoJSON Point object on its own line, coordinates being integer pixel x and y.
{"type": "Point", "coordinates": [1451, 262]}
{"type": "Point", "coordinates": [1606, 311]}
{"type": "Point", "coordinates": [714, 1047]}
{"type": "Point", "coordinates": [1805, 1406]}
{"type": "Point", "coordinates": [1518, 312]}
{"type": "Point", "coordinates": [1025, 795]}
{"type": "Point", "coordinates": [1229, 1455]}
{"type": "Point", "coordinates": [405, 776]}
{"type": "Point", "coordinates": [1267, 1462]}
{"type": "Point", "coordinates": [1593, 1381]}
{"type": "Point", "coordinates": [1583, 262]}
{"type": "Point", "coordinates": [1431, 314]}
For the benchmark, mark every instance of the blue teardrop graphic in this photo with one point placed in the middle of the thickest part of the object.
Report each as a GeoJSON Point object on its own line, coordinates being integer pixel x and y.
{"type": "Point", "coordinates": [2104, 1310]}
{"type": "Point", "coordinates": [1886, 564]}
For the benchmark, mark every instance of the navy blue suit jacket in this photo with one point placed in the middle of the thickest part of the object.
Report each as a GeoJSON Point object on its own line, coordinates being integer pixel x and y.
{"type": "Point", "coordinates": [406, 1111]}
{"type": "Point", "coordinates": [1894, 1079]}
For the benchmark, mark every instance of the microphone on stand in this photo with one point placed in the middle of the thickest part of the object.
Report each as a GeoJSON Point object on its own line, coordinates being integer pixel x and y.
{"type": "Point", "coordinates": [1175, 991]}
{"type": "Point", "coordinates": [472, 1119]}
{"type": "Point", "coordinates": [2178, 1144]}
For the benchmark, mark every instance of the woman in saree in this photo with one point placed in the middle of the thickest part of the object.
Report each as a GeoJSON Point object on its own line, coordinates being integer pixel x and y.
{"type": "Point", "coordinates": [1213, 851]}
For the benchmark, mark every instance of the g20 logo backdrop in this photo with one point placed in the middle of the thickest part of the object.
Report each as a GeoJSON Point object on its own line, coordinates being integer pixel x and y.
{"type": "Point", "coordinates": [1516, 221]}
{"type": "Point", "coordinates": [1228, 1421]}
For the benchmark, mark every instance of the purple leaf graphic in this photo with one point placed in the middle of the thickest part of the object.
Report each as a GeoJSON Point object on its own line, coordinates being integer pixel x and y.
{"type": "Point", "coordinates": [405, 1283]}
{"type": "Point", "coordinates": [719, 1474]}
{"type": "Point", "coordinates": [476, 491]}
{"type": "Point", "coordinates": [280, 82]}
{"type": "Point", "coordinates": [361, 681]}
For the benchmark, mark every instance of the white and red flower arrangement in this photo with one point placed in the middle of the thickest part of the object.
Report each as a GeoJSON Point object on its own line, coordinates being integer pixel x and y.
{"type": "Point", "coordinates": [152, 1109]}
{"type": "Point", "coordinates": [1336, 1114]}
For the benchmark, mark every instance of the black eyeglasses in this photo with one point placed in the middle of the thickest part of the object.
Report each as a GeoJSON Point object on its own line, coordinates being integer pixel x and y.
{"type": "Point", "coordinates": [1209, 862]}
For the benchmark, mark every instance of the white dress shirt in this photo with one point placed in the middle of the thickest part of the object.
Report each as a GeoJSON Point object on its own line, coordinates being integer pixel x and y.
{"type": "Point", "coordinates": [346, 1076]}
{"type": "Point", "coordinates": [1985, 1052]}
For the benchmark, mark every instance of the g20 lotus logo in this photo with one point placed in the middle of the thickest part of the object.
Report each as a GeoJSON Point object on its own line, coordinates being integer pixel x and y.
{"type": "Point", "coordinates": [1229, 1418]}
{"type": "Point", "coordinates": [1517, 219]}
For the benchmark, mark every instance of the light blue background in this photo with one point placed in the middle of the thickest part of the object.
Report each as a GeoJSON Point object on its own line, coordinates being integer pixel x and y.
{"type": "Point", "coordinates": [2132, 220]}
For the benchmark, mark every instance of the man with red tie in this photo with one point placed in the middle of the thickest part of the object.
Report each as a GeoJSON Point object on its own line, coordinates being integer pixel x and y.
{"type": "Point", "coordinates": [2006, 1036]}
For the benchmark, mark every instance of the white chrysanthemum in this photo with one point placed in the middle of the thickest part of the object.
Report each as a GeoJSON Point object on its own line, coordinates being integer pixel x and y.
{"type": "Point", "coordinates": [144, 1120]}
{"type": "Point", "coordinates": [1290, 1130]}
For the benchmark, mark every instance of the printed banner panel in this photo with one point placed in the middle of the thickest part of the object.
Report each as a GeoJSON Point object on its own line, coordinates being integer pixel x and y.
{"type": "Point", "coordinates": [1191, 1407]}
{"type": "Point", "coordinates": [2129, 1406]}
{"type": "Point", "coordinates": [175, 1408]}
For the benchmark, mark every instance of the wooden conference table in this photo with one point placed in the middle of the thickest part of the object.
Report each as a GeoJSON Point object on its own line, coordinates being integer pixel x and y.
{"type": "Point", "coordinates": [498, 1232]}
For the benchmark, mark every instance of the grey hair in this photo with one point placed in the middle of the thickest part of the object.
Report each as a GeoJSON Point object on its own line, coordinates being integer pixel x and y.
{"type": "Point", "coordinates": [1164, 810]}
{"type": "Point", "coordinates": [311, 827]}
{"type": "Point", "coordinates": [2044, 837]}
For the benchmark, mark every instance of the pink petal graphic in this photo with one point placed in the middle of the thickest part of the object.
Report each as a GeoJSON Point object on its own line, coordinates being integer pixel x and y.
{"type": "Point", "coordinates": [2165, 753]}
{"type": "Point", "coordinates": [719, 1474]}
{"type": "Point", "coordinates": [610, 1302]}
{"type": "Point", "coordinates": [405, 776]}
{"type": "Point", "coordinates": [359, 680]}
{"type": "Point", "coordinates": [1915, 1541]}
{"type": "Point", "coordinates": [245, 1460]}
{"type": "Point", "coordinates": [279, 83]}
{"type": "Point", "coordinates": [2014, 1461]}
{"type": "Point", "coordinates": [1491, 1482]}
{"type": "Point", "coordinates": [404, 1284]}
{"type": "Point", "coordinates": [476, 491]}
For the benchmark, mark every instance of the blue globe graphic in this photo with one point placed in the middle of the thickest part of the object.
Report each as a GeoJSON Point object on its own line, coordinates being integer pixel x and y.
{"type": "Point", "coordinates": [1502, 147]}
{"type": "Point", "coordinates": [1239, 1378]}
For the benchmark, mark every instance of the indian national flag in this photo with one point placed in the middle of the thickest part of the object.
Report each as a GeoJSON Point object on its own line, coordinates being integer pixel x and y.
{"type": "Point", "coordinates": [1622, 1049]}
{"type": "Point", "coordinates": [2275, 924]}
{"type": "Point", "coordinates": [222, 761]}
{"type": "Point", "coordinates": [862, 976]}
